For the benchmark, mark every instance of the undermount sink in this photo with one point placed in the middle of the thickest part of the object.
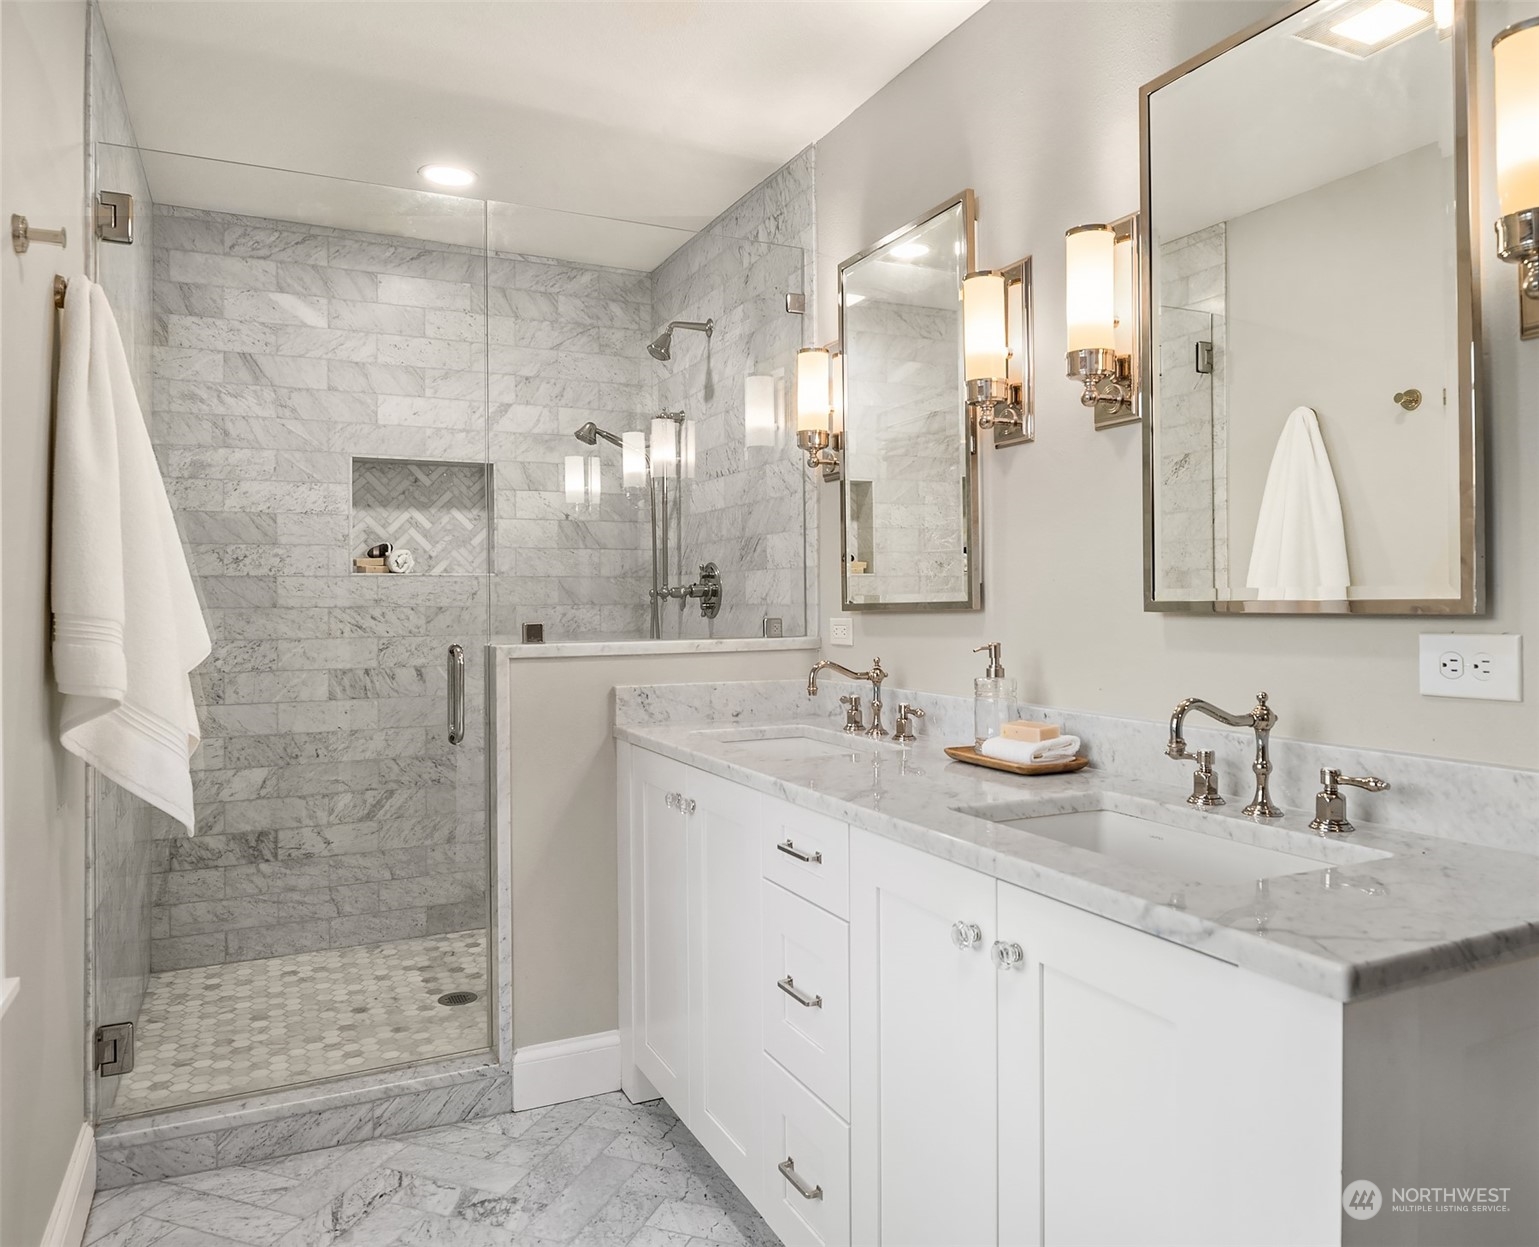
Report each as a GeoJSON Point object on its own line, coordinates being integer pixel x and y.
{"type": "Point", "coordinates": [1190, 855]}
{"type": "Point", "coordinates": [792, 742]}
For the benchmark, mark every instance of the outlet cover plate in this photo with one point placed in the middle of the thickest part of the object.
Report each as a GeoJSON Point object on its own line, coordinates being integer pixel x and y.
{"type": "Point", "coordinates": [841, 630]}
{"type": "Point", "coordinates": [1482, 666]}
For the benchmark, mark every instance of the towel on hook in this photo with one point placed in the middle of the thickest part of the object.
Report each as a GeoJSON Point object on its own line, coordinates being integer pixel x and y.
{"type": "Point", "coordinates": [1300, 551]}
{"type": "Point", "coordinates": [127, 628]}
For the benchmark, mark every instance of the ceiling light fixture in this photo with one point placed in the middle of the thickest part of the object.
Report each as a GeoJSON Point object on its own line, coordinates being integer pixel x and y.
{"type": "Point", "coordinates": [1382, 22]}
{"type": "Point", "coordinates": [446, 175]}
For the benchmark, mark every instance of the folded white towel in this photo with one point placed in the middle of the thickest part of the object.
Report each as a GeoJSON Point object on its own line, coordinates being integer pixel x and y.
{"type": "Point", "coordinates": [1025, 751]}
{"type": "Point", "coordinates": [1300, 551]}
{"type": "Point", "coordinates": [127, 628]}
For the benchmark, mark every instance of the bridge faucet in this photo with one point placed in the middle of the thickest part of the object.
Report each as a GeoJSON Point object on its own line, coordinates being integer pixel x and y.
{"type": "Point", "coordinates": [876, 675]}
{"type": "Point", "coordinates": [1260, 719]}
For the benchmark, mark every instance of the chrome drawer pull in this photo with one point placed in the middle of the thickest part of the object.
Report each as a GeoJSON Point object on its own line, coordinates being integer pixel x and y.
{"type": "Point", "coordinates": [798, 995]}
{"type": "Point", "coordinates": [801, 855]}
{"type": "Point", "coordinates": [787, 1169]}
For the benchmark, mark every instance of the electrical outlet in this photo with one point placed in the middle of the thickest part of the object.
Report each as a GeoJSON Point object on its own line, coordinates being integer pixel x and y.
{"type": "Point", "coordinates": [841, 631]}
{"type": "Point", "coordinates": [1479, 665]}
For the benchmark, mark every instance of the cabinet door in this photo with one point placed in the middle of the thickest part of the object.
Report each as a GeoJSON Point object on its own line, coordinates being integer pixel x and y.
{"type": "Point", "coordinates": [725, 1000]}
{"type": "Point", "coordinates": [1163, 1096]}
{"type": "Point", "coordinates": [659, 899]}
{"type": "Point", "coordinates": [923, 1039]}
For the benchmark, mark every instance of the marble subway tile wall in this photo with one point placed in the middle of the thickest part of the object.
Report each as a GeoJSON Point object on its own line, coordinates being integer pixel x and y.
{"type": "Point", "coordinates": [567, 346]}
{"type": "Point", "coordinates": [747, 507]}
{"type": "Point", "coordinates": [1192, 446]}
{"type": "Point", "coordinates": [906, 366]}
{"type": "Point", "coordinates": [332, 811]}
{"type": "Point", "coordinates": [122, 852]}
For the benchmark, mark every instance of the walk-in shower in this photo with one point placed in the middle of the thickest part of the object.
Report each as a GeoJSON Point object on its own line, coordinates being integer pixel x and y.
{"type": "Point", "coordinates": [327, 368]}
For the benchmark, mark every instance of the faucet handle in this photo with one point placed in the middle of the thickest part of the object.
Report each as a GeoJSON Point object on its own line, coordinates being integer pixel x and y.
{"type": "Point", "coordinates": [1205, 792]}
{"type": "Point", "coordinates": [852, 715]}
{"type": "Point", "coordinates": [903, 729]}
{"type": "Point", "coordinates": [1331, 803]}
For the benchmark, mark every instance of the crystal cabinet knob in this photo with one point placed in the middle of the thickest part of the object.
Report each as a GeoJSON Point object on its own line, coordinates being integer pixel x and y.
{"type": "Point", "coordinates": [1008, 956]}
{"type": "Point", "coordinates": [966, 934]}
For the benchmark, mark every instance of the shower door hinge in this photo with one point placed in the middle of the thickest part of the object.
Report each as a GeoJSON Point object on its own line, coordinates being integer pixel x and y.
{"type": "Point", "coordinates": [114, 216]}
{"type": "Point", "coordinates": [114, 1049]}
{"type": "Point", "coordinates": [796, 304]}
{"type": "Point", "coordinates": [1204, 361]}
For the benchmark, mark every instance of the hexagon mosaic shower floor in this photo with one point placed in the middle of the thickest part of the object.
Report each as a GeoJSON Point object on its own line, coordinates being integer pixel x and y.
{"type": "Point", "coordinates": [216, 1031]}
{"type": "Point", "coordinates": [599, 1172]}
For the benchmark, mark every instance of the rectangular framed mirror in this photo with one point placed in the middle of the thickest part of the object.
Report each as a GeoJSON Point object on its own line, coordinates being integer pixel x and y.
{"type": "Point", "coordinates": [1312, 429]}
{"type": "Point", "coordinates": [909, 498]}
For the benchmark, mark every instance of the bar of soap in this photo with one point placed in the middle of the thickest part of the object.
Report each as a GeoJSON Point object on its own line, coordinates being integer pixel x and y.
{"type": "Point", "coordinates": [1029, 730]}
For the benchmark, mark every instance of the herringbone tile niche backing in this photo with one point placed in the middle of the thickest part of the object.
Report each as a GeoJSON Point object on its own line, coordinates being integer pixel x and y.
{"type": "Point", "coordinates": [438, 511]}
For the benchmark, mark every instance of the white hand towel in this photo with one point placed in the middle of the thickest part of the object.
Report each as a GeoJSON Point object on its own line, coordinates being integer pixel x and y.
{"type": "Point", "coordinates": [127, 626]}
{"type": "Point", "coordinates": [1300, 552]}
{"type": "Point", "coordinates": [1027, 751]}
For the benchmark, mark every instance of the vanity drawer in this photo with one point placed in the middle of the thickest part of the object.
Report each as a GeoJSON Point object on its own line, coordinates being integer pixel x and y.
{"type": "Point", "coordinates": [806, 994]}
{"type": "Point", "coordinates": [804, 1138]}
{"type": "Point", "coordinates": [809, 854]}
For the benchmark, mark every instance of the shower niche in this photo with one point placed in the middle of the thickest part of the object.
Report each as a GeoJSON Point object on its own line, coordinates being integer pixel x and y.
{"type": "Point", "coordinates": [438, 512]}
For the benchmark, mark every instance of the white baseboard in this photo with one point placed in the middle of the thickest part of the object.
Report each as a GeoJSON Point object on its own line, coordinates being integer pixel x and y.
{"type": "Point", "coordinates": [71, 1207]}
{"type": "Point", "coordinates": [568, 1069]}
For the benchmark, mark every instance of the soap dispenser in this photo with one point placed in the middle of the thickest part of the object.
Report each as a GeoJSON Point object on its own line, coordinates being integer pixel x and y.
{"type": "Point", "coordinates": [993, 696]}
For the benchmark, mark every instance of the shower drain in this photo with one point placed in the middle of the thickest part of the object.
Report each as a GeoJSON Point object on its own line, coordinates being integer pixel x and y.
{"type": "Point", "coordinates": [459, 998]}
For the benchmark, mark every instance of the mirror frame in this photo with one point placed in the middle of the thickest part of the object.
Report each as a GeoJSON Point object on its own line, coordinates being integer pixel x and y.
{"type": "Point", "coordinates": [1472, 434]}
{"type": "Point", "coordinates": [968, 202]}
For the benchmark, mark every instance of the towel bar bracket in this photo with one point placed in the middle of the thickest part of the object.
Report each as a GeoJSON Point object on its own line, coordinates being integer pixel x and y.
{"type": "Point", "coordinates": [23, 235]}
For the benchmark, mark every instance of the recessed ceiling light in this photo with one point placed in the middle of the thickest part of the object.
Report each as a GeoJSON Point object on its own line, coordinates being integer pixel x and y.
{"type": "Point", "coordinates": [446, 175]}
{"type": "Point", "coordinates": [1383, 21]}
{"type": "Point", "coordinates": [909, 251]}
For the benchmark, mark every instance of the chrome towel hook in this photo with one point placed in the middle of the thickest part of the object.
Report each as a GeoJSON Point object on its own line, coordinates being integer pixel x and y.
{"type": "Point", "coordinates": [23, 235]}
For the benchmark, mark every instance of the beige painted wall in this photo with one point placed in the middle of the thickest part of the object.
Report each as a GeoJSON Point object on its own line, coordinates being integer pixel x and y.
{"type": "Point", "coordinates": [42, 170]}
{"type": "Point", "coordinates": [1048, 142]}
{"type": "Point", "coordinates": [562, 818]}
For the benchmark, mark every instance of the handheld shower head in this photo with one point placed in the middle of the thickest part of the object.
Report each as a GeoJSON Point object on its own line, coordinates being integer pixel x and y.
{"type": "Point", "coordinates": [589, 434]}
{"type": "Point", "coordinates": [661, 347]}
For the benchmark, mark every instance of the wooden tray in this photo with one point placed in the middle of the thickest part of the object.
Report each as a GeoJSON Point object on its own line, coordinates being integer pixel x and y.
{"type": "Point", "coordinates": [1062, 766]}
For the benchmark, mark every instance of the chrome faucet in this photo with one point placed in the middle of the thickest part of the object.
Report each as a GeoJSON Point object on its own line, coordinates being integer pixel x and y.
{"type": "Point", "coordinates": [1260, 719]}
{"type": "Point", "coordinates": [876, 675]}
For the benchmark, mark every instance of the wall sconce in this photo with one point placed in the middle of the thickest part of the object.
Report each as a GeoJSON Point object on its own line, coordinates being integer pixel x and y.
{"type": "Point", "coordinates": [584, 482]}
{"type": "Point", "coordinates": [664, 446]}
{"type": "Point", "coordinates": [996, 347]}
{"type": "Point", "coordinates": [1102, 306]}
{"type": "Point", "coordinates": [1516, 53]}
{"type": "Point", "coordinates": [633, 459]}
{"type": "Point", "coordinates": [815, 407]}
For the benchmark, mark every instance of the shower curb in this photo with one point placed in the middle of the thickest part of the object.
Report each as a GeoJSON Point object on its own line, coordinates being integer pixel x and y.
{"type": "Point", "coordinates": [252, 1128]}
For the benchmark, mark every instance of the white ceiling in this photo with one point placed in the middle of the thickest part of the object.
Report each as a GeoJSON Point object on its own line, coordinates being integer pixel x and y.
{"type": "Point", "coordinates": [659, 113]}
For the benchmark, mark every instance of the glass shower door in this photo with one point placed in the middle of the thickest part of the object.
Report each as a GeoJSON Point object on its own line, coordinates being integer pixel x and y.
{"type": "Point", "coordinates": [317, 397]}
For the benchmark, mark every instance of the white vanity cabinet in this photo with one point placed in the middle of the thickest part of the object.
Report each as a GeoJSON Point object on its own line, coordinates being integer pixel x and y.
{"type": "Point", "coordinates": [1027, 1073]}
{"type": "Point", "coordinates": [881, 1046]}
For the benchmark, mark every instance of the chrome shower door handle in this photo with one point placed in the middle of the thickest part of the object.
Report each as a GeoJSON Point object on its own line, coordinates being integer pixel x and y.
{"type": "Point", "coordinates": [456, 694]}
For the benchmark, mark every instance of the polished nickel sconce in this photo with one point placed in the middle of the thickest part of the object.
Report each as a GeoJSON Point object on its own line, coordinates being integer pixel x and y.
{"type": "Point", "coordinates": [820, 406]}
{"type": "Point", "coordinates": [996, 338]}
{"type": "Point", "coordinates": [1100, 297]}
{"type": "Point", "coordinates": [1516, 54]}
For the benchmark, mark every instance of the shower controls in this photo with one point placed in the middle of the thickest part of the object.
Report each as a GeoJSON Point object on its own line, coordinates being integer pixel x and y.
{"type": "Point", "coordinates": [707, 589]}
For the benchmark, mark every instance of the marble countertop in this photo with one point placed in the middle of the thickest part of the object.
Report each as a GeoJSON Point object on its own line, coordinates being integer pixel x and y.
{"type": "Point", "coordinates": [1385, 909]}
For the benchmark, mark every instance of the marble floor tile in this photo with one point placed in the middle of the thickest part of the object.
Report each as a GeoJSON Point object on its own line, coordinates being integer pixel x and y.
{"type": "Point", "coordinates": [245, 1026]}
{"type": "Point", "coordinates": [599, 1172]}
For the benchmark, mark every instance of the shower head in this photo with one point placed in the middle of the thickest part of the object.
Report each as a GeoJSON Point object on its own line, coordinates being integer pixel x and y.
{"type": "Point", "coordinates": [661, 347]}
{"type": "Point", "coordinates": [589, 434]}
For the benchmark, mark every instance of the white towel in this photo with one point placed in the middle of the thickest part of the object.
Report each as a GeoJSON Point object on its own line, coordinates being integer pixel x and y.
{"type": "Point", "coordinates": [1300, 552]}
{"type": "Point", "coordinates": [127, 628]}
{"type": "Point", "coordinates": [1027, 751]}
